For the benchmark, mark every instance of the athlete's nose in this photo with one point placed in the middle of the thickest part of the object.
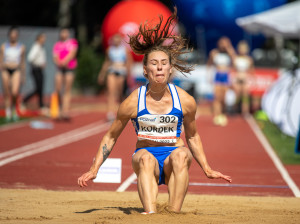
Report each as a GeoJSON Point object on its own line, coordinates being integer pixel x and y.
{"type": "Point", "coordinates": [159, 67]}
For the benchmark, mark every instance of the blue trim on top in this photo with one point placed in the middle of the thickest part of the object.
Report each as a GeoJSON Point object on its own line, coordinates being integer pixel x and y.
{"type": "Point", "coordinates": [160, 114]}
{"type": "Point", "coordinates": [171, 95]}
{"type": "Point", "coordinates": [18, 45]}
{"type": "Point", "coordinates": [145, 98]}
{"type": "Point", "coordinates": [139, 95]}
{"type": "Point", "coordinates": [178, 98]}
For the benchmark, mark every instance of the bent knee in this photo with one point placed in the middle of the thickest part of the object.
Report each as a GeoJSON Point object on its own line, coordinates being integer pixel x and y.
{"type": "Point", "coordinates": [181, 158]}
{"type": "Point", "coordinates": [147, 160]}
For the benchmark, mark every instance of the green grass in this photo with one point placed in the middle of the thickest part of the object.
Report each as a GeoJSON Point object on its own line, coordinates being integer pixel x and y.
{"type": "Point", "coordinates": [3, 121]}
{"type": "Point", "coordinates": [283, 145]}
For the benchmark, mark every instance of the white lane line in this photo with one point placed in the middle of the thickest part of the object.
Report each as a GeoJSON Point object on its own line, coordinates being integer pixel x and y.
{"type": "Point", "coordinates": [270, 151]}
{"type": "Point", "coordinates": [48, 140]}
{"type": "Point", "coordinates": [127, 183]}
{"type": "Point", "coordinates": [7, 127]}
{"type": "Point", "coordinates": [54, 142]}
{"type": "Point", "coordinates": [239, 185]}
{"type": "Point", "coordinates": [236, 185]}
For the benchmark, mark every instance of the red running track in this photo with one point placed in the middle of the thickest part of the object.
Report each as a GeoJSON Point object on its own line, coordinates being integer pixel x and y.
{"type": "Point", "coordinates": [233, 150]}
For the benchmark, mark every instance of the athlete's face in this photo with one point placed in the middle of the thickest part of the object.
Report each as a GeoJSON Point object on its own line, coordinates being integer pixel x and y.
{"type": "Point", "coordinates": [158, 68]}
{"type": "Point", "coordinates": [13, 36]}
{"type": "Point", "coordinates": [64, 34]}
{"type": "Point", "coordinates": [42, 39]}
{"type": "Point", "coordinates": [243, 49]}
{"type": "Point", "coordinates": [116, 40]}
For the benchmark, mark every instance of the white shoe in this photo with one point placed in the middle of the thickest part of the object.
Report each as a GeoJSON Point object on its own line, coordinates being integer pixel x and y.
{"type": "Point", "coordinates": [15, 116]}
{"type": "Point", "coordinates": [7, 114]}
{"type": "Point", "coordinates": [223, 120]}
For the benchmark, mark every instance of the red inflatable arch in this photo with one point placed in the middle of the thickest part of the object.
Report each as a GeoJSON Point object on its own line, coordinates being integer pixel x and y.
{"type": "Point", "coordinates": [127, 15]}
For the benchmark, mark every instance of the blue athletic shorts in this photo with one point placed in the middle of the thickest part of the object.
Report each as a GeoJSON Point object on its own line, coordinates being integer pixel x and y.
{"type": "Point", "coordinates": [222, 78]}
{"type": "Point", "coordinates": [160, 153]}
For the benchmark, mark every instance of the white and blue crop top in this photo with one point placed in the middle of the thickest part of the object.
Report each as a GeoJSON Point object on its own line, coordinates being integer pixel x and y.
{"type": "Point", "coordinates": [163, 128]}
{"type": "Point", "coordinates": [12, 54]}
{"type": "Point", "coordinates": [117, 54]}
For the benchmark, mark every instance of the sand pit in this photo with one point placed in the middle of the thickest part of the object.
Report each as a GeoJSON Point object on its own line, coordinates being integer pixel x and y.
{"type": "Point", "coordinates": [41, 206]}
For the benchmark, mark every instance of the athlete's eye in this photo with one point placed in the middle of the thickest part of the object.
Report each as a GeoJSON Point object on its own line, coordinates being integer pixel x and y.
{"type": "Point", "coordinates": [164, 62]}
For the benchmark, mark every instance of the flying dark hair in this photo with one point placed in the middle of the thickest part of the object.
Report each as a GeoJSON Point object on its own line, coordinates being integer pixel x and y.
{"type": "Point", "coordinates": [159, 37]}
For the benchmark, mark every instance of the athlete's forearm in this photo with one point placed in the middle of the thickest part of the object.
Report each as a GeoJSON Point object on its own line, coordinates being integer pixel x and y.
{"type": "Point", "coordinates": [69, 57]}
{"type": "Point", "coordinates": [104, 68]}
{"type": "Point", "coordinates": [55, 60]}
{"type": "Point", "coordinates": [104, 150]}
{"type": "Point", "coordinates": [196, 148]}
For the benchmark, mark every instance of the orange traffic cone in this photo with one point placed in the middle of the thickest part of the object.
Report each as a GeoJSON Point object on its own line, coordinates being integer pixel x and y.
{"type": "Point", "coordinates": [54, 106]}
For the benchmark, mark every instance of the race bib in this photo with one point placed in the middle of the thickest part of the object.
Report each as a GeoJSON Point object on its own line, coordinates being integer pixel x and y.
{"type": "Point", "coordinates": [158, 128]}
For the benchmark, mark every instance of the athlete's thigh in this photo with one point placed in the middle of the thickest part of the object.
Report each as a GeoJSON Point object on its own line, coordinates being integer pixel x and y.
{"type": "Point", "coordinates": [5, 81]}
{"type": "Point", "coordinates": [112, 82]}
{"type": "Point", "coordinates": [245, 89]}
{"type": "Point", "coordinates": [168, 168]}
{"type": "Point", "coordinates": [58, 81]}
{"type": "Point", "coordinates": [223, 91]}
{"type": "Point", "coordinates": [237, 88]}
{"type": "Point", "coordinates": [69, 78]}
{"type": "Point", "coordinates": [218, 91]}
{"type": "Point", "coordinates": [15, 82]}
{"type": "Point", "coordinates": [120, 84]}
{"type": "Point", "coordinates": [136, 161]}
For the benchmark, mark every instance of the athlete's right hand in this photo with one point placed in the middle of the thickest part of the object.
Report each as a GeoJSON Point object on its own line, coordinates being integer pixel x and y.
{"type": "Point", "coordinates": [86, 177]}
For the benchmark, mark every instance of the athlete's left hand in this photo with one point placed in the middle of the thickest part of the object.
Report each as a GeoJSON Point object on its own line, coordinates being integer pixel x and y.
{"type": "Point", "coordinates": [85, 178]}
{"type": "Point", "coordinates": [211, 174]}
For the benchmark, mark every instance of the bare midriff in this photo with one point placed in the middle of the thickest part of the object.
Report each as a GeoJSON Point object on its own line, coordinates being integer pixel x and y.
{"type": "Point", "coordinates": [11, 65]}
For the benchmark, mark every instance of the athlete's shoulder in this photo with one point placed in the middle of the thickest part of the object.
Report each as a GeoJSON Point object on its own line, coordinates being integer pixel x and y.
{"type": "Point", "coordinates": [214, 52]}
{"type": "Point", "coordinates": [22, 46]}
{"type": "Point", "coordinates": [128, 108]}
{"type": "Point", "coordinates": [187, 101]}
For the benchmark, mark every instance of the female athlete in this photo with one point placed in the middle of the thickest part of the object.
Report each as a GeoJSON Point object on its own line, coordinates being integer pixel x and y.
{"type": "Point", "coordinates": [157, 111]}
{"type": "Point", "coordinates": [221, 58]}
{"type": "Point", "coordinates": [244, 69]}
{"type": "Point", "coordinates": [116, 66]}
{"type": "Point", "coordinates": [12, 67]}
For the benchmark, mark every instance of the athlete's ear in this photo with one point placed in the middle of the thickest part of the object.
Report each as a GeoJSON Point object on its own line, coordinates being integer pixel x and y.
{"type": "Point", "coordinates": [145, 72]}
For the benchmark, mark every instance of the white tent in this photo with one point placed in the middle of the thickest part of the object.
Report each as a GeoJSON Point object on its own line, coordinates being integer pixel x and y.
{"type": "Point", "coordinates": [281, 101]}
{"type": "Point", "coordinates": [283, 21]}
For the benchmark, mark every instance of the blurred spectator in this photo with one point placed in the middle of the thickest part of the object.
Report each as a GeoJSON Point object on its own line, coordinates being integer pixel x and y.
{"type": "Point", "coordinates": [221, 57]}
{"type": "Point", "coordinates": [12, 66]}
{"type": "Point", "coordinates": [244, 67]}
{"type": "Point", "coordinates": [37, 59]}
{"type": "Point", "coordinates": [115, 69]}
{"type": "Point", "coordinates": [64, 57]}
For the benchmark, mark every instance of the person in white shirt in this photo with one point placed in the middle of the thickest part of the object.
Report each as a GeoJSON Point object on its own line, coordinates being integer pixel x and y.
{"type": "Point", "coordinates": [37, 59]}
